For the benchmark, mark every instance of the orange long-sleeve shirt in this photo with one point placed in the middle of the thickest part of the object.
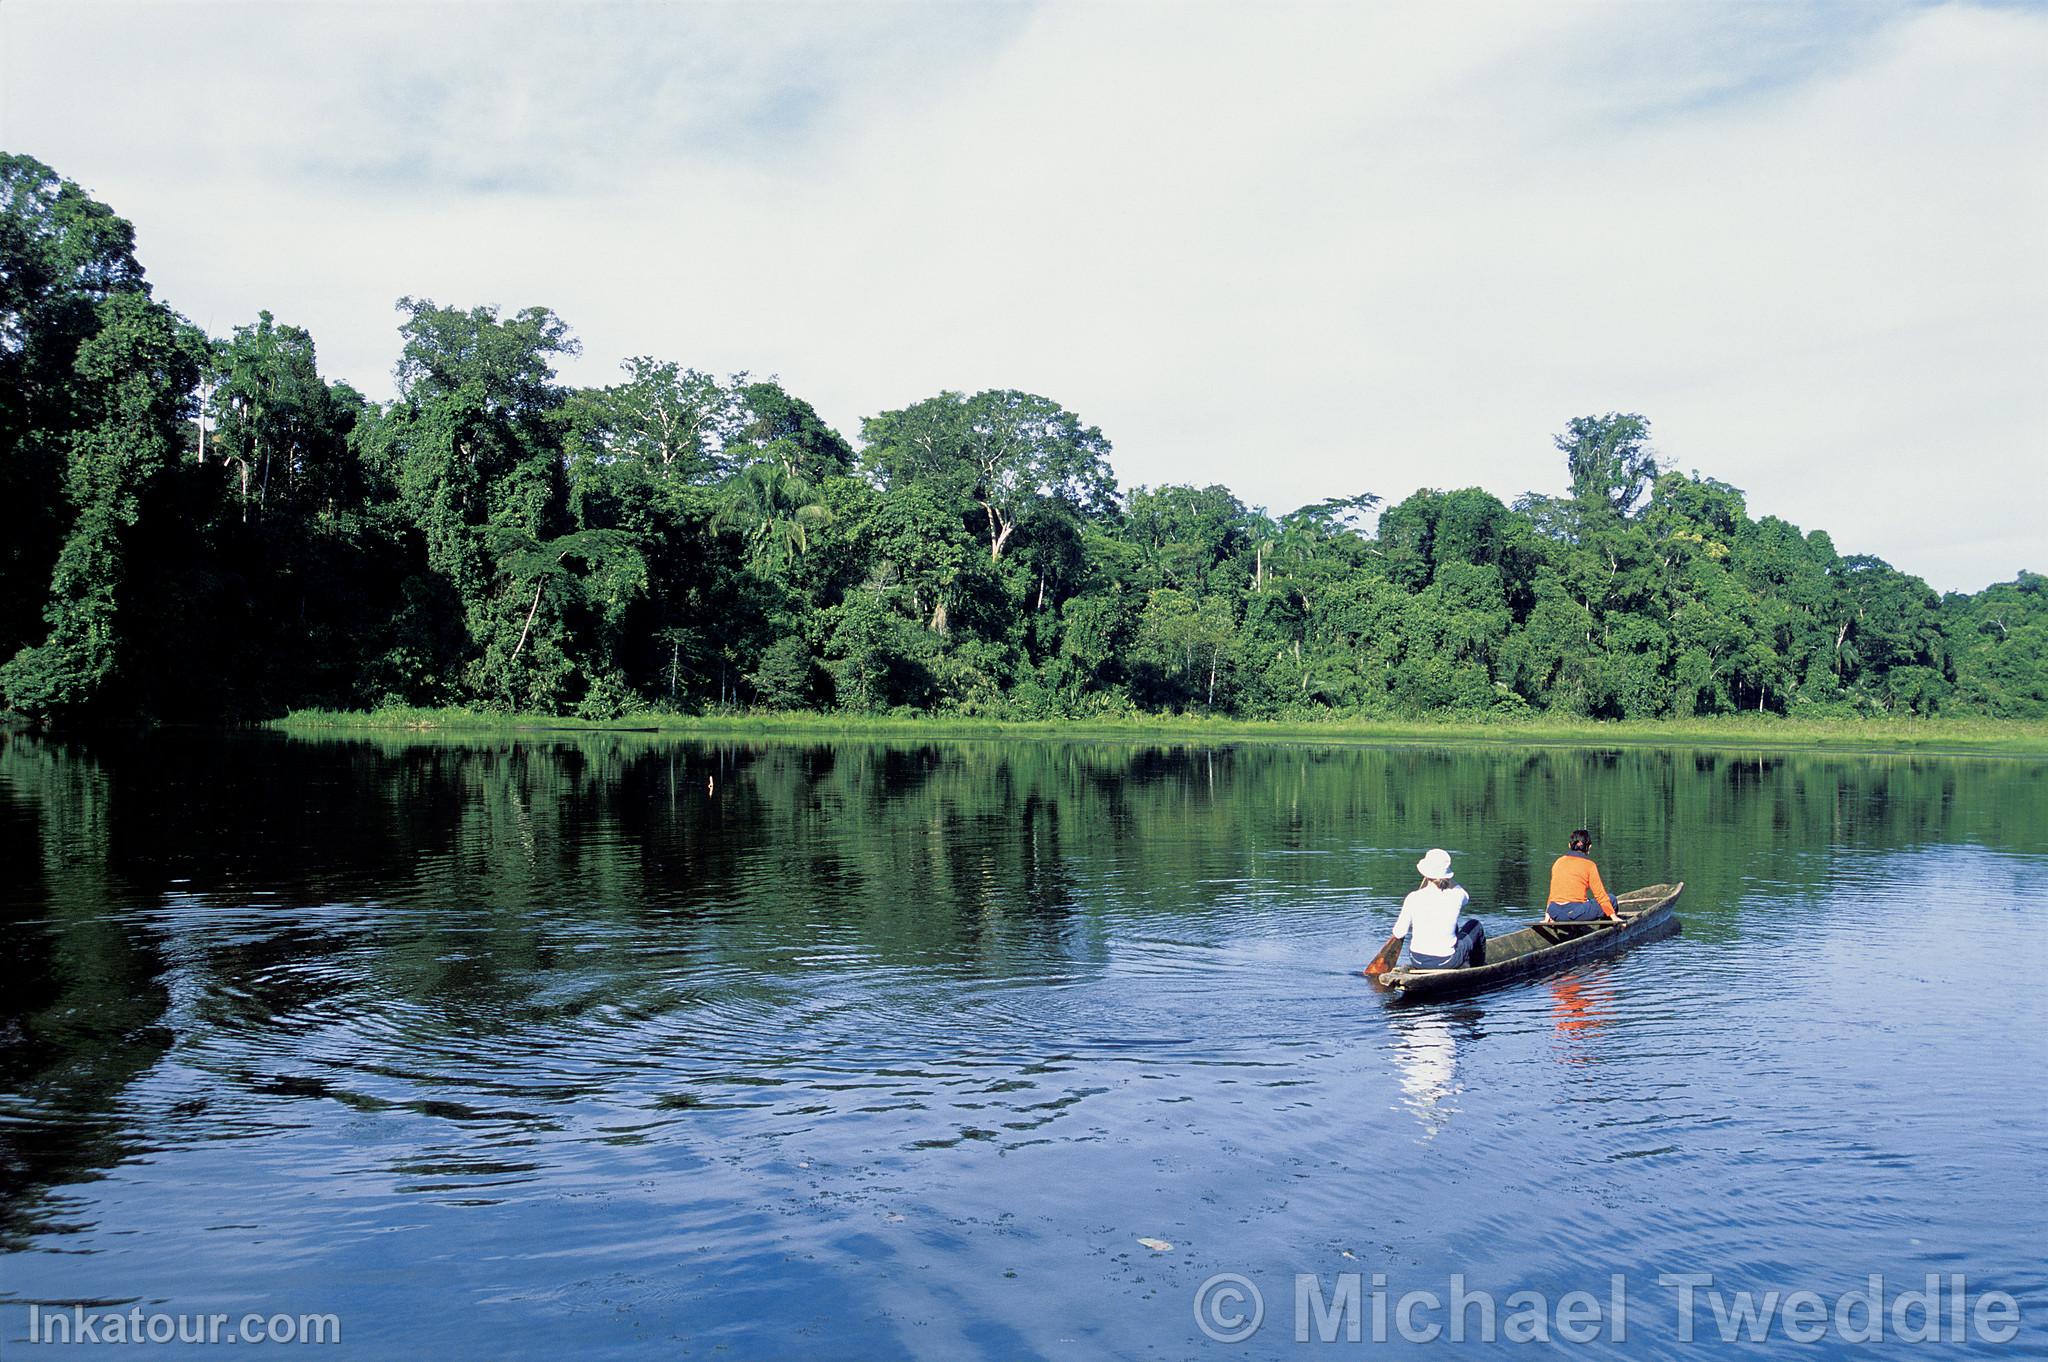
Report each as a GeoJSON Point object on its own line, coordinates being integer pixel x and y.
{"type": "Point", "coordinates": [1575, 879]}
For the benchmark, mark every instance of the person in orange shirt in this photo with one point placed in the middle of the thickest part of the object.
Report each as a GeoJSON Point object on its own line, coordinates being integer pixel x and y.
{"type": "Point", "coordinates": [1576, 894]}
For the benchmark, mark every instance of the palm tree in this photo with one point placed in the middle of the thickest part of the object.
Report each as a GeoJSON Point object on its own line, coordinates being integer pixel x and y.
{"type": "Point", "coordinates": [774, 507]}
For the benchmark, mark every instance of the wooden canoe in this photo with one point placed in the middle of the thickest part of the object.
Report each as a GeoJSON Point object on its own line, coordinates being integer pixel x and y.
{"type": "Point", "coordinates": [1645, 915]}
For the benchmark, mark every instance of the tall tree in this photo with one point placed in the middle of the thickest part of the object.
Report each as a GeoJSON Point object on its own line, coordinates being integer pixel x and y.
{"type": "Point", "coordinates": [1610, 461]}
{"type": "Point", "coordinates": [474, 445]}
{"type": "Point", "coordinates": [63, 255]}
{"type": "Point", "coordinates": [772, 426]}
{"type": "Point", "coordinates": [668, 423]}
{"type": "Point", "coordinates": [136, 376]}
{"type": "Point", "coordinates": [1000, 451]}
{"type": "Point", "coordinates": [1188, 533]}
{"type": "Point", "coordinates": [275, 420]}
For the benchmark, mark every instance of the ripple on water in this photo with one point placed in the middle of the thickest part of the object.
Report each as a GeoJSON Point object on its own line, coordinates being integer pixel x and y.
{"type": "Point", "coordinates": [695, 1097]}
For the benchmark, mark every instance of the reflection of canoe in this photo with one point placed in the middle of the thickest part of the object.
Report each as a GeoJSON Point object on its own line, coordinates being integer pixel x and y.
{"type": "Point", "coordinates": [1544, 946]}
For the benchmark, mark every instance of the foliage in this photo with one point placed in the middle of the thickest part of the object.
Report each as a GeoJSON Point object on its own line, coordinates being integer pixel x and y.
{"type": "Point", "coordinates": [209, 528]}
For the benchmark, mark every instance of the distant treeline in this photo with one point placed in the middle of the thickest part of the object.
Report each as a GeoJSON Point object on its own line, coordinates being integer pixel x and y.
{"type": "Point", "coordinates": [201, 527]}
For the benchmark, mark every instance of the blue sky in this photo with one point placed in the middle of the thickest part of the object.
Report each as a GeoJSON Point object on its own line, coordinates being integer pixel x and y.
{"type": "Point", "coordinates": [1301, 250]}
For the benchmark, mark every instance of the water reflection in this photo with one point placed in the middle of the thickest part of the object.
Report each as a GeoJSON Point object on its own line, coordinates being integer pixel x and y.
{"type": "Point", "coordinates": [1581, 1006]}
{"type": "Point", "coordinates": [1427, 1054]}
{"type": "Point", "coordinates": [83, 996]}
{"type": "Point", "coordinates": [744, 1018]}
{"type": "Point", "coordinates": [1425, 1050]}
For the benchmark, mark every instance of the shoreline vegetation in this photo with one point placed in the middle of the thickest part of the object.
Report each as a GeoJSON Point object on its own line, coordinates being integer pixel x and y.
{"type": "Point", "coordinates": [205, 529]}
{"type": "Point", "coordinates": [1930, 736]}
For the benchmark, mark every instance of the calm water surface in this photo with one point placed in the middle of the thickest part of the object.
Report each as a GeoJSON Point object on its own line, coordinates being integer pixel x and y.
{"type": "Point", "coordinates": [611, 1047]}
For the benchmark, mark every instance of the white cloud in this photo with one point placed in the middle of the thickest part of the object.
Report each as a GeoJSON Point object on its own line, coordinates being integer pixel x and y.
{"type": "Point", "coordinates": [1299, 250]}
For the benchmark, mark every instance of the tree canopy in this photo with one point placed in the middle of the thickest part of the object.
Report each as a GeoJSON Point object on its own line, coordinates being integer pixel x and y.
{"type": "Point", "coordinates": [208, 528]}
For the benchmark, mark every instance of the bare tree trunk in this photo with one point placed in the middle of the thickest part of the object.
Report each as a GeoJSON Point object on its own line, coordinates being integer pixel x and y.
{"type": "Point", "coordinates": [527, 627]}
{"type": "Point", "coordinates": [938, 624]}
{"type": "Point", "coordinates": [1041, 591]}
{"type": "Point", "coordinates": [995, 551]}
{"type": "Point", "coordinates": [1212, 681]}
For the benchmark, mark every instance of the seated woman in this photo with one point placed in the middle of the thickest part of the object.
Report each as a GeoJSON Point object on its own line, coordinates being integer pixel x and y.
{"type": "Point", "coordinates": [1576, 894]}
{"type": "Point", "coordinates": [1440, 941]}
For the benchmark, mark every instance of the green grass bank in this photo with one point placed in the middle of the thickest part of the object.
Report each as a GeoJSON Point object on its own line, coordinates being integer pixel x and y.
{"type": "Point", "coordinates": [1976, 736]}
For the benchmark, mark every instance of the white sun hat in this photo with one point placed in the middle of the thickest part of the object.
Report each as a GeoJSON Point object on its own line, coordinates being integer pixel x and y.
{"type": "Point", "coordinates": [1436, 865]}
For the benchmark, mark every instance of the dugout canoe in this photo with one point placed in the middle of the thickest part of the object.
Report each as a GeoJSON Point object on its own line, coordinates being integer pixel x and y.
{"type": "Point", "coordinates": [1644, 915]}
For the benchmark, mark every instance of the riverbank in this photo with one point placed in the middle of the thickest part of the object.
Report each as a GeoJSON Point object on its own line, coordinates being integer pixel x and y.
{"type": "Point", "coordinates": [1986, 736]}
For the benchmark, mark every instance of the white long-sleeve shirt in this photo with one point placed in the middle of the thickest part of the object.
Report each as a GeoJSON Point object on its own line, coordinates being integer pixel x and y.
{"type": "Point", "coordinates": [1432, 914]}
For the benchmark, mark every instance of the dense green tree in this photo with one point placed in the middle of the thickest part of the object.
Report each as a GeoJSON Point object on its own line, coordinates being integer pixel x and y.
{"type": "Point", "coordinates": [1469, 526]}
{"type": "Point", "coordinates": [1610, 462]}
{"type": "Point", "coordinates": [276, 422]}
{"type": "Point", "coordinates": [587, 579]}
{"type": "Point", "coordinates": [1185, 641]}
{"type": "Point", "coordinates": [878, 658]}
{"type": "Point", "coordinates": [64, 259]}
{"type": "Point", "coordinates": [669, 424]}
{"type": "Point", "coordinates": [1188, 535]}
{"type": "Point", "coordinates": [773, 425]}
{"type": "Point", "coordinates": [1999, 641]}
{"type": "Point", "coordinates": [774, 507]}
{"type": "Point", "coordinates": [136, 374]}
{"type": "Point", "coordinates": [474, 445]}
{"type": "Point", "coordinates": [1894, 624]}
{"type": "Point", "coordinates": [787, 677]}
{"type": "Point", "coordinates": [200, 528]}
{"type": "Point", "coordinates": [999, 451]}
{"type": "Point", "coordinates": [1694, 516]}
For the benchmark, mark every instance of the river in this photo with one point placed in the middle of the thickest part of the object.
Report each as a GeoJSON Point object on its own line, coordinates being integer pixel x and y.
{"type": "Point", "coordinates": [610, 1046]}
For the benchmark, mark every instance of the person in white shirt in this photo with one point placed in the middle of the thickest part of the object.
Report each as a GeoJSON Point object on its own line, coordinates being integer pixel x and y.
{"type": "Point", "coordinates": [1429, 919]}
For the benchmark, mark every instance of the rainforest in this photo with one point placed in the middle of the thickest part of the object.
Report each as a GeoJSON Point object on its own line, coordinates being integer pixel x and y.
{"type": "Point", "coordinates": [203, 528]}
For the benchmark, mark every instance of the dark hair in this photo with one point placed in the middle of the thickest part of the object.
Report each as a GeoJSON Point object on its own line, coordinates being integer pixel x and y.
{"type": "Point", "coordinates": [1582, 840]}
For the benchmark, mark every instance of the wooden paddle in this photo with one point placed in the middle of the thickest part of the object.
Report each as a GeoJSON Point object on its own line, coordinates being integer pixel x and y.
{"type": "Point", "coordinates": [1384, 961]}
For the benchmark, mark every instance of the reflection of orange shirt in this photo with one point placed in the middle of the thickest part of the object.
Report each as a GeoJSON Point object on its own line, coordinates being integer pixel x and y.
{"type": "Point", "coordinates": [1575, 879]}
{"type": "Point", "coordinates": [1576, 1010]}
